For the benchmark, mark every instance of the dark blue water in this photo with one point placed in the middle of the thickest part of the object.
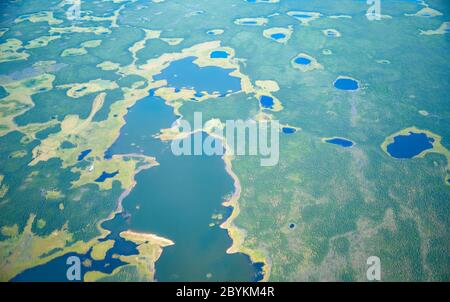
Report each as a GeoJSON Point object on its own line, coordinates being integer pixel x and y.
{"type": "Point", "coordinates": [340, 142]}
{"type": "Point", "coordinates": [302, 61]}
{"type": "Point", "coordinates": [185, 74]}
{"type": "Point", "coordinates": [288, 130]}
{"type": "Point", "coordinates": [278, 36]}
{"type": "Point", "coordinates": [301, 16]}
{"type": "Point", "coordinates": [83, 154]}
{"type": "Point", "coordinates": [346, 84]}
{"type": "Point", "coordinates": [266, 101]}
{"type": "Point", "coordinates": [56, 269]}
{"type": "Point", "coordinates": [408, 146]}
{"type": "Point", "coordinates": [219, 54]}
{"type": "Point", "coordinates": [105, 175]}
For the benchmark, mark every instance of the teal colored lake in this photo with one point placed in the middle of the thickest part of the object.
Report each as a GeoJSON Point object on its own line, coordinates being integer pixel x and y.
{"type": "Point", "coordinates": [186, 74]}
{"type": "Point", "coordinates": [177, 199]}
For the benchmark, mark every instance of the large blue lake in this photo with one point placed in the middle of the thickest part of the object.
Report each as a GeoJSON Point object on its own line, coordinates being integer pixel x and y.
{"type": "Point", "coordinates": [185, 74]}
{"type": "Point", "coordinates": [410, 145]}
{"type": "Point", "coordinates": [177, 199]}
